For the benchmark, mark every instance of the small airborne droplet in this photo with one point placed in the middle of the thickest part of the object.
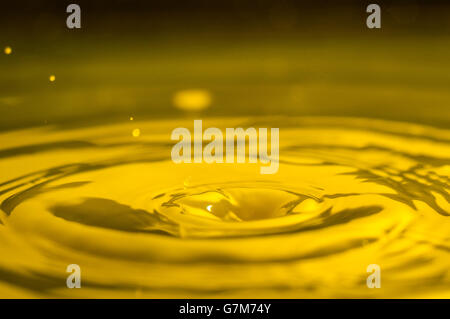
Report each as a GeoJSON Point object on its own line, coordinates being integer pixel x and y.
{"type": "Point", "coordinates": [192, 100]}
{"type": "Point", "coordinates": [52, 78]}
{"type": "Point", "coordinates": [8, 50]}
{"type": "Point", "coordinates": [136, 132]}
{"type": "Point", "coordinates": [131, 118]}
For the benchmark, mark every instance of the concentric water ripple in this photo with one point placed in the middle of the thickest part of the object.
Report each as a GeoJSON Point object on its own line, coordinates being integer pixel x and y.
{"type": "Point", "coordinates": [348, 193]}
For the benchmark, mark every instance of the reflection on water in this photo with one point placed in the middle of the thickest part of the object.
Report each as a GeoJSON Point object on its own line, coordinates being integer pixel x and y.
{"type": "Point", "coordinates": [348, 193]}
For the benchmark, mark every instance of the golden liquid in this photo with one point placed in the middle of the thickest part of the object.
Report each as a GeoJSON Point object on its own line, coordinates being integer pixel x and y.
{"type": "Point", "coordinates": [349, 192]}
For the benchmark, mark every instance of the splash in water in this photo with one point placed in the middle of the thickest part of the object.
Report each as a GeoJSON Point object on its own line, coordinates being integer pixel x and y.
{"type": "Point", "coordinates": [348, 193]}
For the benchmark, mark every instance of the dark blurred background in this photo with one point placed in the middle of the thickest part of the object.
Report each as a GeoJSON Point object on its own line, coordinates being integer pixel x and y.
{"type": "Point", "coordinates": [254, 57]}
{"type": "Point", "coordinates": [121, 16]}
